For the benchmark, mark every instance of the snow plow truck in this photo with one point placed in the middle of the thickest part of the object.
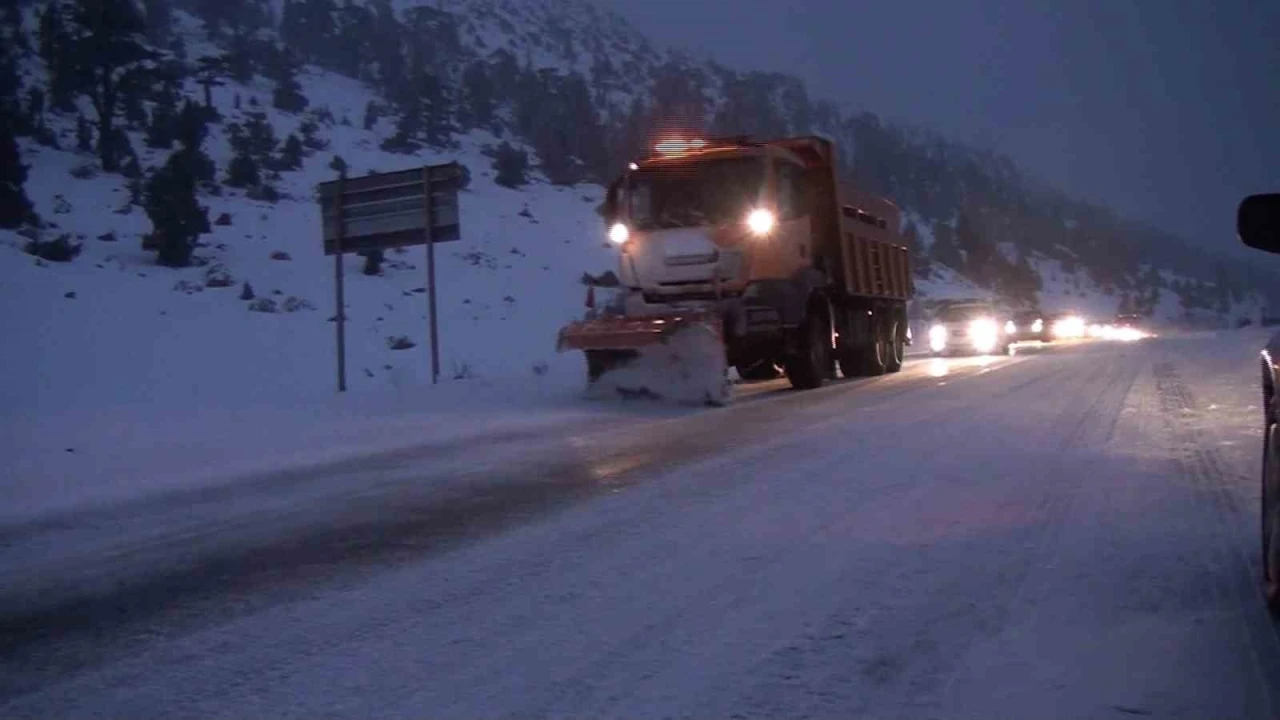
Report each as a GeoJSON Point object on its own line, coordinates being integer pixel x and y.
{"type": "Point", "coordinates": [758, 250]}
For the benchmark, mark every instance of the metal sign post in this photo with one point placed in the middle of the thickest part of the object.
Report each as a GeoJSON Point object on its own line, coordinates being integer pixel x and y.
{"type": "Point", "coordinates": [340, 317]}
{"type": "Point", "coordinates": [390, 210]}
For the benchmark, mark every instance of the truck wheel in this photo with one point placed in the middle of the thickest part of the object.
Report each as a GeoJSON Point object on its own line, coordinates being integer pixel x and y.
{"type": "Point", "coordinates": [895, 347]}
{"type": "Point", "coordinates": [600, 362]}
{"type": "Point", "coordinates": [875, 355]}
{"type": "Point", "coordinates": [808, 369]}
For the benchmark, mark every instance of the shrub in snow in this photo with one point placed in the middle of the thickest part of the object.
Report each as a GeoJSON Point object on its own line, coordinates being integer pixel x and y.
{"type": "Point", "coordinates": [246, 292]}
{"type": "Point", "coordinates": [107, 237]}
{"type": "Point", "coordinates": [84, 135]}
{"type": "Point", "coordinates": [291, 154]}
{"type": "Point", "coordinates": [217, 276]}
{"type": "Point", "coordinates": [280, 255]}
{"type": "Point", "coordinates": [242, 171]}
{"type": "Point", "coordinates": [294, 304]}
{"type": "Point", "coordinates": [540, 369]}
{"type": "Point", "coordinates": [61, 206]}
{"type": "Point", "coordinates": [511, 166]}
{"type": "Point", "coordinates": [224, 220]}
{"type": "Point", "coordinates": [338, 165]}
{"type": "Point", "coordinates": [371, 114]}
{"type": "Point", "coordinates": [70, 295]}
{"type": "Point", "coordinates": [399, 342]}
{"type": "Point", "coordinates": [311, 139]}
{"type": "Point", "coordinates": [462, 371]}
{"type": "Point", "coordinates": [525, 212]}
{"type": "Point", "coordinates": [59, 249]}
{"type": "Point", "coordinates": [264, 305]}
{"type": "Point", "coordinates": [264, 192]}
{"type": "Point", "coordinates": [84, 171]}
{"type": "Point", "coordinates": [188, 287]}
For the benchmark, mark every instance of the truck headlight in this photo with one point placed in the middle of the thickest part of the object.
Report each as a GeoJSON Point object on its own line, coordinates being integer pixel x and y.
{"type": "Point", "coordinates": [760, 221]}
{"type": "Point", "coordinates": [618, 233]}
{"type": "Point", "coordinates": [1010, 328]}
{"type": "Point", "coordinates": [937, 338]}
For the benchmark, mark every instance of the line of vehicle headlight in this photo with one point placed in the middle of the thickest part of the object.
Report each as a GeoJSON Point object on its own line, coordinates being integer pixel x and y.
{"type": "Point", "coordinates": [983, 335]}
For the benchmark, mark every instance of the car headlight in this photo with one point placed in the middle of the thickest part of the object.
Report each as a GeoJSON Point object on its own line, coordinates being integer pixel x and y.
{"type": "Point", "coordinates": [618, 233]}
{"type": "Point", "coordinates": [760, 221]}
{"type": "Point", "coordinates": [1037, 326]}
{"type": "Point", "coordinates": [984, 334]}
{"type": "Point", "coordinates": [1010, 328]}
{"type": "Point", "coordinates": [937, 338]}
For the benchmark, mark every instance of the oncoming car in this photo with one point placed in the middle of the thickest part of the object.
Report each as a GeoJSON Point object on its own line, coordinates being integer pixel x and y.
{"type": "Point", "coordinates": [969, 329]}
{"type": "Point", "coordinates": [1258, 223]}
{"type": "Point", "coordinates": [1029, 325]}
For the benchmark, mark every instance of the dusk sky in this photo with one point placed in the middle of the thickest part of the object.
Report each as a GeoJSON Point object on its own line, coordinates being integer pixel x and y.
{"type": "Point", "coordinates": [1167, 110]}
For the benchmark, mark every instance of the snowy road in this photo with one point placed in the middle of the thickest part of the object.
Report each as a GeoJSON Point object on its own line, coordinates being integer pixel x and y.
{"type": "Point", "coordinates": [1067, 533]}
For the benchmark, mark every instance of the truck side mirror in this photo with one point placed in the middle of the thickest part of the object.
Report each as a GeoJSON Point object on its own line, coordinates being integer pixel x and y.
{"type": "Point", "coordinates": [1258, 222]}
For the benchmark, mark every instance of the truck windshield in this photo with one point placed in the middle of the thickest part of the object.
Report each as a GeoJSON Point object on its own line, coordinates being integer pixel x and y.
{"type": "Point", "coordinates": [707, 192]}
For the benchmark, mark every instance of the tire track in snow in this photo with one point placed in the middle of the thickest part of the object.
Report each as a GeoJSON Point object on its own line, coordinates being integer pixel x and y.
{"type": "Point", "coordinates": [854, 662]}
{"type": "Point", "coordinates": [1235, 569]}
{"type": "Point", "coordinates": [257, 563]}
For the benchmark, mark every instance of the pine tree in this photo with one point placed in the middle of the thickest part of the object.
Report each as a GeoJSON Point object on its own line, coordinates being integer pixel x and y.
{"type": "Point", "coordinates": [55, 49]}
{"type": "Point", "coordinates": [291, 153]}
{"type": "Point", "coordinates": [477, 106]}
{"type": "Point", "coordinates": [339, 166]}
{"type": "Point", "coordinates": [239, 58]}
{"type": "Point", "coordinates": [159, 19]}
{"type": "Point", "coordinates": [177, 219]}
{"type": "Point", "coordinates": [35, 109]}
{"type": "Point", "coordinates": [11, 91]}
{"type": "Point", "coordinates": [210, 70]}
{"type": "Point", "coordinates": [191, 130]}
{"type": "Point", "coordinates": [510, 166]}
{"type": "Point", "coordinates": [15, 207]}
{"type": "Point", "coordinates": [106, 43]}
{"type": "Point", "coordinates": [311, 139]}
{"type": "Point", "coordinates": [287, 95]}
{"type": "Point", "coordinates": [255, 138]}
{"type": "Point", "coordinates": [164, 119]}
{"type": "Point", "coordinates": [84, 135]}
{"type": "Point", "coordinates": [242, 171]}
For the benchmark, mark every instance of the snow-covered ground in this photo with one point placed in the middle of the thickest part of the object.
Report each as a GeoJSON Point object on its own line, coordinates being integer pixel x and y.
{"type": "Point", "coordinates": [1069, 533]}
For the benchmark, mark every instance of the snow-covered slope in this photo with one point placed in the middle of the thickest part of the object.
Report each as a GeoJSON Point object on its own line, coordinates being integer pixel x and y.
{"type": "Point", "coordinates": [112, 327]}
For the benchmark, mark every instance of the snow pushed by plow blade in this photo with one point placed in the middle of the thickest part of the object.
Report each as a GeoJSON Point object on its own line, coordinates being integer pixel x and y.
{"type": "Point", "coordinates": [687, 368]}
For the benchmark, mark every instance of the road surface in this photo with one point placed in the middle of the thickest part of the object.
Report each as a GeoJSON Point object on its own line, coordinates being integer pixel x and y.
{"type": "Point", "coordinates": [1067, 533]}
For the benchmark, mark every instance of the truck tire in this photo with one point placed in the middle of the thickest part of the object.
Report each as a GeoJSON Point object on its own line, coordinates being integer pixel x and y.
{"type": "Point", "coordinates": [812, 365]}
{"type": "Point", "coordinates": [895, 347]}
{"type": "Point", "coordinates": [875, 354]}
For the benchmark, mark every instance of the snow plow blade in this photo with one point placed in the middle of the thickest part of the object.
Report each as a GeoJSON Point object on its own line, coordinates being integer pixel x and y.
{"type": "Point", "coordinates": [624, 333]}
{"type": "Point", "coordinates": [673, 358]}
